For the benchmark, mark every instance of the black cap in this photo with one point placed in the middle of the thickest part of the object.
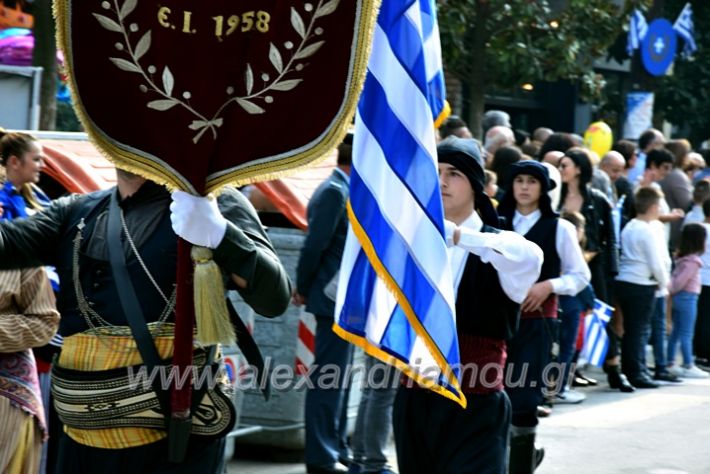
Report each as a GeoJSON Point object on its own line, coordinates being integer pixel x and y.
{"type": "Point", "coordinates": [465, 155]}
{"type": "Point", "coordinates": [538, 171]}
{"type": "Point", "coordinates": [535, 169]}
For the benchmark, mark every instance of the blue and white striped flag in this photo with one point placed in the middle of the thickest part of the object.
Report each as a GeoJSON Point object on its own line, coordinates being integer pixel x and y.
{"type": "Point", "coordinates": [637, 31]}
{"type": "Point", "coordinates": [685, 29]}
{"type": "Point", "coordinates": [596, 340]}
{"type": "Point", "coordinates": [395, 292]}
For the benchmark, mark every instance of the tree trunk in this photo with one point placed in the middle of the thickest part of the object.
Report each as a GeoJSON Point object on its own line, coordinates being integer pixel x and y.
{"type": "Point", "coordinates": [477, 78]}
{"type": "Point", "coordinates": [45, 56]}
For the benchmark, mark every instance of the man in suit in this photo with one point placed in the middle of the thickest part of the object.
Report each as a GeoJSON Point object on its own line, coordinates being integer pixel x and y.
{"type": "Point", "coordinates": [326, 407]}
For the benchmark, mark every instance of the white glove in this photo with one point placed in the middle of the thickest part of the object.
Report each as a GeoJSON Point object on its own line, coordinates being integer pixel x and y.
{"type": "Point", "coordinates": [197, 219]}
{"type": "Point", "coordinates": [449, 229]}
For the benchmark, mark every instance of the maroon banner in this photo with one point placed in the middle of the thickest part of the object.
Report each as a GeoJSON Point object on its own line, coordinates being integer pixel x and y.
{"type": "Point", "coordinates": [197, 94]}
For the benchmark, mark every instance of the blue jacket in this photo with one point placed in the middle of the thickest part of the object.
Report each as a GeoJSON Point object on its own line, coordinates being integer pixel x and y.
{"type": "Point", "coordinates": [14, 205]}
{"type": "Point", "coordinates": [323, 246]}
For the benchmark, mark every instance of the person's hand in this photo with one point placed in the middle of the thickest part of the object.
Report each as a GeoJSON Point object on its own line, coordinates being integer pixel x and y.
{"type": "Point", "coordinates": [677, 214]}
{"type": "Point", "coordinates": [452, 233]}
{"type": "Point", "coordinates": [298, 299]}
{"type": "Point", "coordinates": [536, 296]}
{"type": "Point", "coordinates": [197, 219]}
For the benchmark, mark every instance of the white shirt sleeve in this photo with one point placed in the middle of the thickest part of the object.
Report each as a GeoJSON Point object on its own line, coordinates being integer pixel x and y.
{"type": "Point", "coordinates": [575, 271]}
{"type": "Point", "coordinates": [517, 260]}
{"type": "Point", "coordinates": [657, 257]}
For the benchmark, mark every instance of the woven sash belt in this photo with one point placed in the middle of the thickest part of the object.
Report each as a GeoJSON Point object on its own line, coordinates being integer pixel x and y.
{"type": "Point", "coordinates": [124, 397]}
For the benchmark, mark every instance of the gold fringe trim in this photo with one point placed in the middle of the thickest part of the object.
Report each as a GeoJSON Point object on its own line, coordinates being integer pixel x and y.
{"type": "Point", "coordinates": [142, 166]}
{"type": "Point", "coordinates": [378, 353]}
{"type": "Point", "coordinates": [443, 115]}
{"type": "Point", "coordinates": [408, 311]}
{"type": "Point", "coordinates": [211, 314]}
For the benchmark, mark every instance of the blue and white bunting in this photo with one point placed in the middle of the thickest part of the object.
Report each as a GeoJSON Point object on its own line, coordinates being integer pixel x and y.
{"type": "Point", "coordinates": [395, 292]}
{"type": "Point", "coordinates": [596, 340]}
{"type": "Point", "coordinates": [685, 29]}
{"type": "Point", "coordinates": [637, 31]}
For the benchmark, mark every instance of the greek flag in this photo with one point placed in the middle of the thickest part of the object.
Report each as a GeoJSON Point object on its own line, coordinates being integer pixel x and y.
{"type": "Point", "coordinates": [637, 31]}
{"type": "Point", "coordinates": [685, 29]}
{"type": "Point", "coordinates": [395, 294]}
{"type": "Point", "coordinates": [596, 340]}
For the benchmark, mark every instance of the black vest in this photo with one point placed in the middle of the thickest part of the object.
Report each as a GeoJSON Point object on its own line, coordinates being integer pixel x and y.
{"type": "Point", "coordinates": [159, 253]}
{"type": "Point", "coordinates": [544, 234]}
{"type": "Point", "coordinates": [482, 307]}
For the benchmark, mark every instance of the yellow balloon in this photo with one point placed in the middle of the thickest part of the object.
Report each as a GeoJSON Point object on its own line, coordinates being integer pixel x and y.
{"type": "Point", "coordinates": [599, 138]}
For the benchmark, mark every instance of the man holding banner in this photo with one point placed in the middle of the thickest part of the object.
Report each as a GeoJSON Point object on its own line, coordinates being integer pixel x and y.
{"type": "Point", "coordinates": [91, 380]}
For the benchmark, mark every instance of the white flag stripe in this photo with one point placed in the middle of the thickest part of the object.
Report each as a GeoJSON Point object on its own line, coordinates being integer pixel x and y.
{"type": "Point", "coordinates": [432, 58]}
{"type": "Point", "coordinates": [382, 302]}
{"type": "Point", "coordinates": [406, 98]}
{"type": "Point", "coordinates": [422, 361]}
{"type": "Point", "coordinates": [397, 205]}
{"type": "Point", "coordinates": [350, 253]}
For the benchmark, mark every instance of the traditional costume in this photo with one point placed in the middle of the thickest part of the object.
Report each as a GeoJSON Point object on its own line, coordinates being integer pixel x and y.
{"type": "Point", "coordinates": [493, 271]}
{"type": "Point", "coordinates": [111, 426]}
{"type": "Point", "coordinates": [529, 352]}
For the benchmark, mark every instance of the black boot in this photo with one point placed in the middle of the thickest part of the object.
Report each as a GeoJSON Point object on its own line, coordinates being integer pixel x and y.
{"type": "Point", "coordinates": [617, 380]}
{"type": "Point", "coordinates": [524, 457]}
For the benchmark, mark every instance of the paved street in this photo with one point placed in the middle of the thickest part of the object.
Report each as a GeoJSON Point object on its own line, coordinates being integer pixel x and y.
{"type": "Point", "coordinates": [663, 431]}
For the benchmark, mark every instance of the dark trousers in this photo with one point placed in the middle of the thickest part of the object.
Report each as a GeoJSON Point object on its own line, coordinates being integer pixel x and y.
{"type": "Point", "coordinates": [527, 373]}
{"type": "Point", "coordinates": [637, 303]}
{"type": "Point", "coordinates": [326, 410]}
{"type": "Point", "coordinates": [701, 339]}
{"type": "Point", "coordinates": [204, 456]}
{"type": "Point", "coordinates": [434, 435]}
{"type": "Point", "coordinates": [569, 330]}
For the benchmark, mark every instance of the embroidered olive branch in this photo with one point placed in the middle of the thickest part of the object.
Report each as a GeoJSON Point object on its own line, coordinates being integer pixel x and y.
{"type": "Point", "coordinates": [136, 53]}
{"type": "Point", "coordinates": [303, 51]}
{"type": "Point", "coordinates": [168, 101]}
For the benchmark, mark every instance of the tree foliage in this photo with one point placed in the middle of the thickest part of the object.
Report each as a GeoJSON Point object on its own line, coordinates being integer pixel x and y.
{"type": "Point", "coordinates": [684, 97]}
{"type": "Point", "coordinates": [512, 42]}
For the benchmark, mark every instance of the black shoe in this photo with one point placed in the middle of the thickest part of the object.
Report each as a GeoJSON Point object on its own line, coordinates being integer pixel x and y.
{"type": "Point", "coordinates": [579, 382]}
{"type": "Point", "coordinates": [539, 456]}
{"type": "Point", "coordinates": [643, 382]}
{"type": "Point", "coordinates": [590, 381]}
{"type": "Point", "coordinates": [617, 380]}
{"type": "Point", "coordinates": [335, 468]}
{"type": "Point", "coordinates": [666, 376]}
{"type": "Point", "coordinates": [345, 461]}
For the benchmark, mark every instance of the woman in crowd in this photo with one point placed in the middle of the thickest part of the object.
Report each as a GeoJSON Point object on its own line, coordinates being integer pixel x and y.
{"type": "Point", "coordinates": [600, 251]}
{"type": "Point", "coordinates": [21, 156]}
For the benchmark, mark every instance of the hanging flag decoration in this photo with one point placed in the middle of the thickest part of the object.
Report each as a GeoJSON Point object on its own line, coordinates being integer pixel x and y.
{"type": "Point", "coordinates": [637, 31]}
{"type": "Point", "coordinates": [685, 29]}
{"type": "Point", "coordinates": [596, 340]}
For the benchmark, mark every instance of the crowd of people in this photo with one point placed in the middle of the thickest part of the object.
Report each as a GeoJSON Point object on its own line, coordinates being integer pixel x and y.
{"type": "Point", "coordinates": [628, 228]}
{"type": "Point", "coordinates": [537, 224]}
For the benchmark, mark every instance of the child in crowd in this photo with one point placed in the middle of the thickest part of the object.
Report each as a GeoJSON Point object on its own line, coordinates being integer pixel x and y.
{"type": "Point", "coordinates": [491, 189]}
{"type": "Point", "coordinates": [701, 193]}
{"type": "Point", "coordinates": [642, 271]}
{"type": "Point", "coordinates": [685, 289]}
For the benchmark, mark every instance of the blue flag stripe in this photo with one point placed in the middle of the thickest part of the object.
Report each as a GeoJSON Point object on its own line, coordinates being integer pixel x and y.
{"type": "Point", "coordinates": [393, 137]}
{"type": "Point", "coordinates": [398, 303]}
{"type": "Point", "coordinates": [429, 304]}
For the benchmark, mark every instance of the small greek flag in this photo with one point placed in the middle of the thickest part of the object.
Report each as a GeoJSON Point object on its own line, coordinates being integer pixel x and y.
{"type": "Point", "coordinates": [596, 341]}
{"type": "Point", "coordinates": [637, 31]}
{"type": "Point", "coordinates": [685, 29]}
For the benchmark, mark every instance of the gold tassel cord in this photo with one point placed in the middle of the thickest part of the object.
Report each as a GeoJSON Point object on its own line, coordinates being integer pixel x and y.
{"type": "Point", "coordinates": [211, 314]}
